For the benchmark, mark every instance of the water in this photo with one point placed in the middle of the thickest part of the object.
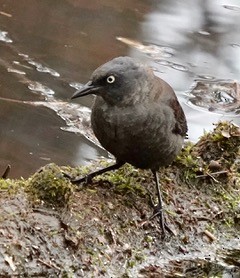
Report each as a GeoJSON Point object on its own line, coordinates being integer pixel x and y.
{"type": "Point", "coordinates": [48, 48]}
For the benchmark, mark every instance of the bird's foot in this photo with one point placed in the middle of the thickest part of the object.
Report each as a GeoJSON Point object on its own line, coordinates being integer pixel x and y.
{"type": "Point", "coordinates": [89, 177]}
{"type": "Point", "coordinates": [76, 180]}
{"type": "Point", "coordinates": [158, 212]}
{"type": "Point", "coordinates": [86, 179]}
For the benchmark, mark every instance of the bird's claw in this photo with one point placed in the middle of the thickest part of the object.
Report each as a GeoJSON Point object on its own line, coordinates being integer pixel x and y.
{"type": "Point", "coordinates": [157, 210]}
{"type": "Point", "coordinates": [86, 180]}
{"type": "Point", "coordinates": [163, 225]}
{"type": "Point", "coordinates": [67, 176]}
{"type": "Point", "coordinates": [76, 180]}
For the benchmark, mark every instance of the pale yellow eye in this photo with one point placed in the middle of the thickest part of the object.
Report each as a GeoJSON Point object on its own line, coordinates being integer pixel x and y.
{"type": "Point", "coordinates": [110, 79]}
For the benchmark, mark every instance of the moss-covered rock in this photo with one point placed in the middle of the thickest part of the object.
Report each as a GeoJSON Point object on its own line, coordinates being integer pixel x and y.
{"type": "Point", "coordinates": [216, 154]}
{"type": "Point", "coordinates": [50, 185]}
{"type": "Point", "coordinates": [222, 144]}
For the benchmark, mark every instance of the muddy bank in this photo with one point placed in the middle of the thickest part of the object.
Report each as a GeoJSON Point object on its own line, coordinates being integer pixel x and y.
{"type": "Point", "coordinates": [51, 228]}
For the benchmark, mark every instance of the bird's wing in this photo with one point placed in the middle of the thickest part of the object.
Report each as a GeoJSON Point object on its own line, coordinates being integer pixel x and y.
{"type": "Point", "coordinates": [181, 123]}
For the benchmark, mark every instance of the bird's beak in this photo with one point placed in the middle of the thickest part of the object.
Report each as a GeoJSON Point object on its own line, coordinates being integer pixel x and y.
{"type": "Point", "coordinates": [87, 89]}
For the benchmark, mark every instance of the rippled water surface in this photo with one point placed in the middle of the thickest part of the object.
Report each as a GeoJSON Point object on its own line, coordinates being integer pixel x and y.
{"type": "Point", "coordinates": [48, 48]}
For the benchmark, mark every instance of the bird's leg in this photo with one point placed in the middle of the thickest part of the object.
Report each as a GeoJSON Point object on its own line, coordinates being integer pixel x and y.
{"type": "Point", "coordinates": [90, 176]}
{"type": "Point", "coordinates": [160, 204]}
{"type": "Point", "coordinates": [159, 209]}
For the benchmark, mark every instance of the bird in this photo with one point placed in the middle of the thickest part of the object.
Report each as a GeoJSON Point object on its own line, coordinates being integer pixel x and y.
{"type": "Point", "coordinates": [137, 117]}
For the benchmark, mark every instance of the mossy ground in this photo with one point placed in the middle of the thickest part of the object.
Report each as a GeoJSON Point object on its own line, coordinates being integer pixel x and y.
{"type": "Point", "coordinates": [51, 228]}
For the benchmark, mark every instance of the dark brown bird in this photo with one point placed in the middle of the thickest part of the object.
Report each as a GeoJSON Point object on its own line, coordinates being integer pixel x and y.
{"type": "Point", "coordinates": [135, 116]}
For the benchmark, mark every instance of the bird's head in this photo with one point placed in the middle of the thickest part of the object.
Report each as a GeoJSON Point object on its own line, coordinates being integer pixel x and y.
{"type": "Point", "coordinates": [121, 81]}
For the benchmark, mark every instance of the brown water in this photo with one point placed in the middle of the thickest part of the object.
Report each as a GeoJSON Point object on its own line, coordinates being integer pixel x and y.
{"type": "Point", "coordinates": [48, 48]}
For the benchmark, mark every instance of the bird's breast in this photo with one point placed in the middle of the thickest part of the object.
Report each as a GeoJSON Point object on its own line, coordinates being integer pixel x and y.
{"type": "Point", "coordinates": [138, 135]}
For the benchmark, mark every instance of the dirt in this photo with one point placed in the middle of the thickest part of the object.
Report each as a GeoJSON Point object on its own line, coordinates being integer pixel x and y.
{"type": "Point", "coordinates": [51, 228]}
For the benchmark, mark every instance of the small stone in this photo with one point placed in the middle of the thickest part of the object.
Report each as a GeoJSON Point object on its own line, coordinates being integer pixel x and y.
{"type": "Point", "coordinates": [110, 205]}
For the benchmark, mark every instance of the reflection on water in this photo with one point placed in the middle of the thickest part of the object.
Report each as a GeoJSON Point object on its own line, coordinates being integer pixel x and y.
{"type": "Point", "coordinates": [48, 48]}
{"type": "Point", "coordinates": [218, 96]}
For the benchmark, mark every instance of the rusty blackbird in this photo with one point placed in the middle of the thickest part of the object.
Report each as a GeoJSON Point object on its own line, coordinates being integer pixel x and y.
{"type": "Point", "coordinates": [135, 116]}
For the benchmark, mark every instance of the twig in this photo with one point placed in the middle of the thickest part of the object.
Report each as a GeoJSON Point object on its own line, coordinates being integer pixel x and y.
{"type": "Point", "coordinates": [50, 265]}
{"type": "Point", "coordinates": [209, 235]}
{"type": "Point", "coordinates": [6, 172]}
{"type": "Point", "coordinates": [212, 174]}
{"type": "Point", "coordinates": [6, 14]}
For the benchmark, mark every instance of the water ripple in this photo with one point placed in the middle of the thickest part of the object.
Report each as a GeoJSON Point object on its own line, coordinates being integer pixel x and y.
{"type": "Point", "coordinates": [39, 67]}
{"type": "Point", "coordinates": [151, 50]}
{"type": "Point", "coordinates": [16, 71]}
{"type": "Point", "coordinates": [232, 8]}
{"type": "Point", "coordinates": [4, 37]}
{"type": "Point", "coordinates": [38, 87]}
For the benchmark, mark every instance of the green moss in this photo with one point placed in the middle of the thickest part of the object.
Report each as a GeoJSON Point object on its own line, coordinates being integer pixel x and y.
{"type": "Point", "coordinates": [68, 274]}
{"type": "Point", "coordinates": [11, 186]}
{"type": "Point", "coordinates": [211, 227]}
{"type": "Point", "coordinates": [126, 180]}
{"type": "Point", "coordinates": [189, 164]}
{"type": "Point", "coordinates": [79, 171]}
{"type": "Point", "coordinates": [50, 186]}
{"type": "Point", "coordinates": [4, 184]}
{"type": "Point", "coordinates": [136, 257]}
